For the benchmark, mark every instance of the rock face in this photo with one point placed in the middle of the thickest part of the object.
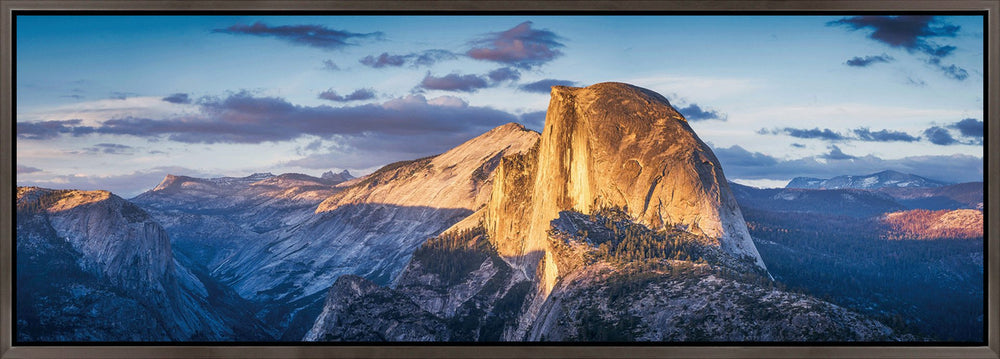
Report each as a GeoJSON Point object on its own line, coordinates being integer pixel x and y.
{"type": "Point", "coordinates": [686, 302]}
{"type": "Point", "coordinates": [124, 271]}
{"type": "Point", "coordinates": [613, 145]}
{"type": "Point", "coordinates": [283, 240]}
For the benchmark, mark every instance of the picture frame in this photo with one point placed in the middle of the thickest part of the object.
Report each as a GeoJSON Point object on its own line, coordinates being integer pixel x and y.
{"type": "Point", "coordinates": [513, 350]}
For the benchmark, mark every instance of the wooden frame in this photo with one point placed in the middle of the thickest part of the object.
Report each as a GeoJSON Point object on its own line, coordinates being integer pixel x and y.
{"type": "Point", "coordinates": [992, 189]}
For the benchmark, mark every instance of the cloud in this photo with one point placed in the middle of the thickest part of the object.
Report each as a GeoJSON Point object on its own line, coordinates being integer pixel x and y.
{"type": "Point", "coordinates": [330, 65]}
{"type": "Point", "coordinates": [824, 134]}
{"type": "Point", "coordinates": [425, 58]}
{"type": "Point", "coordinates": [118, 95]}
{"type": "Point", "coordinates": [44, 130]}
{"type": "Point", "coordinates": [111, 149]}
{"type": "Point", "coordinates": [798, 145]}
{"type": "Point", "coordinates": [951, 71]}
{"type": "Point", "coordinates": [25, 169]}
{"type": "Point", "coordinates": [969, 127]}
{"type": "Point", "coordinates": [383, 60]}
{"type": "Point", "coordinates": [912, 33]}
{"type": "Point", "coordinates": [865, 134]}
{"type": "Point", "coordinates": [453, 82]}
{"type": "Point", "coordinates": [908, 32]}
{"type": "Point", "coordinates": [244, 118]}
{"type": "Point", "coordinates": [308, 35]}
{"type": "Point", "coordinates": [743, 164]}
{"type": "Point", "coordinates": [504, 74]}
{"type": "Point", "coordinates": [520, 46]}
{"type": "Point", "coordinates": [544, 86]}
{"type": "Point", "coordinates": [939, 136]}
{"type": "Point", "coordinates": [694, 112]}
{"type": "Point", "coordinates": [738, 156]}
{"type": "Point", "coordinates": [179, 98]}
{"type": "Point", "coordinates": [868, 60]}
{"type": "Point", "coordinates": [836, 154]}
{"type": "Point", "coordinates": [357, 95]}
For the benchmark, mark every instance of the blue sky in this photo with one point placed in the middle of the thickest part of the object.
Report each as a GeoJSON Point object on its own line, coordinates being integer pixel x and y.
{"type": "Point", "coordinates": [117, 102]}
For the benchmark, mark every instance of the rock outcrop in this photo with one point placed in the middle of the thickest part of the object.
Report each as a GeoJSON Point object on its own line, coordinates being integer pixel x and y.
{"type": "Point", "coordinates": [613, 145]}
{"type": "Point", "coordinates": [123, 271]}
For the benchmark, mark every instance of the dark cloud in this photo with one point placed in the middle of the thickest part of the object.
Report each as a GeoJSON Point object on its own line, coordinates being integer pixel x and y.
{"type": "Point", "coordinates": [694, 112]}
{"type": "Point", "coordinates": [504, 74]}
{"type": "Point", "coordinates": [244, 118]}
{"type": "Point", "coordinates": [939, 136]}
{"type": "Point", "coordinates": [836, 154]}
{"type": "Point", "coordinates": [49, 129]}
{"type": "Point", "coordinates": [180, 98]}
{"type": "Point", "coordinates": [969, 127]}
{"type": "Point", "coordinates": [26, 169]}
{"type": "Point", "coordinates": [912, 33]}
{"type": "Point", "coordinates": [908, 32]}
{"type": "Point", "coordinates": [454, 82]}
{"type": "Point", "coordinates": [330, 65]}
{"type": "Point", "coordinates": [742, 164]}
{"type": "Point", "coordinates": [309, 35]}
{"type": "Point", "coordinates": [824, 134]}
{"type": "Point", "coordinates": [425, 58]}
{"type": "Point", "coordinates": [520, 46]}
{"type": "Point", "coordinates": [544, 86]}
{"type": "Point", "coordinates": [865, 134]}
{"type": "Point", "coordinates": [798, 145]}
{"type": "Point", "coordinates": [868, 60]}
{"type": "Point", "coordinates": [357, 95]}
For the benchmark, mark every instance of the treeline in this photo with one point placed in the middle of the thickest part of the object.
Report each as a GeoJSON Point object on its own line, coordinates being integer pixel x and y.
{"type": "Point", "coordinates": [454, 255]}
{"type": "Point", "coordinates": [618, 239]}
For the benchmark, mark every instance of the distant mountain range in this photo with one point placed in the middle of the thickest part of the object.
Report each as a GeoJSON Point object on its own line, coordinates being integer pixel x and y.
{"type": "Point", "coordinates": [884, 179]}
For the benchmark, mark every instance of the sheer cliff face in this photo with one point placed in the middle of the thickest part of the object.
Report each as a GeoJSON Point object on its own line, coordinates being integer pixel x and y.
{"type": "Point", "coordinates": [614, 144]}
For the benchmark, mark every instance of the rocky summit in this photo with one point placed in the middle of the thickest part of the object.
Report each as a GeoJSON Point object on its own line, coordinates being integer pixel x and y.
{"type": "Point", "coordinates": [614, 145]}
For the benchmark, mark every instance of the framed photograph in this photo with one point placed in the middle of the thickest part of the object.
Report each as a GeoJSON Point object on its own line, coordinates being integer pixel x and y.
{"type": "Point", "coordinates": [499, 179]}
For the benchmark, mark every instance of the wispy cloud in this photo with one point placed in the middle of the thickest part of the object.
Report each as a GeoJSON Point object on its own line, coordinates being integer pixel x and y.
{"type": "Point", "coordinates": [521, 47]}
{"type": "Point", "coordinates": [454, 82]}
{"type": "Point", "coordinates": [865, 134]}
{"type": "Point", "coordinates": [423, 58]}
{"type": "Point", "coordinates": [866, 61]}
{"type": "Point", "coordinates": [310, 35]}
{"type": "Point", "coordinates": [357, 95]}
{"type": "Point", "coordinates": [815, 133]}
{"type": "Point", "coordinates": [179, 98]}
{"type": "Point", "coordinates": [330, 65]}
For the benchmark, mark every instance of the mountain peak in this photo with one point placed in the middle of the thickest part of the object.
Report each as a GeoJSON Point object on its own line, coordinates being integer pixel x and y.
{"type": "Point", "coordinates": [614, 145]}
{"type": "Point", "coordinates": [883, 179]}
